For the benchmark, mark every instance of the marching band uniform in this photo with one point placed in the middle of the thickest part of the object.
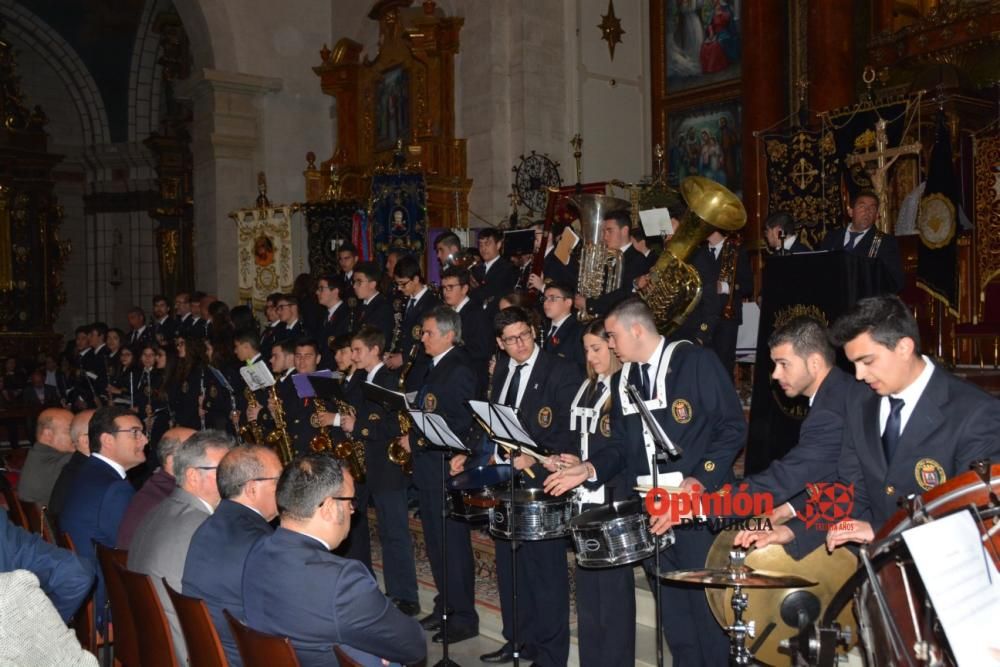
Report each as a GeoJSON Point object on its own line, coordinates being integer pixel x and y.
{"type": "Point", "coordinates": [699, 411]}
{"type": "Point", "coordinates": [293, 331]}
{"type": "Point", "coordinates": [634, 264]}
{"type": "Point", "coordinates": [140, 337]}
{"type": "Point", "coordinates": [565, 339]}
{"type": "Point", "coordinates": [184, 397]}
{"type": "Point", "coordinates": [334, 324]}
{"type": "Point", "coordinates": [495, 280]}
{"type": "Point", "coordinates": [413, 315]}
{"type": "Point", "coordinates": [218, 401]}
{"type": "Point", "coordinates": [477, 340]}
{"type": "Point", "coordinates": [165, 328]}
{"type": "Point", "coordinates": [700, 324]}
{"type": "Point", "coordinates": [376, 312]}
{"type": "Point", "coordinates": [724, 333]}
{"type": "Point", "coordinates": [603, 608]}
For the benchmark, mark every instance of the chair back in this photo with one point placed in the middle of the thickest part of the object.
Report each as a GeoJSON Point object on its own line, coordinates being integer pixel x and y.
{"type": "Point", "coordinates": [991, 303]}
{"type": "Point", "coordinates": [204, 647]}
{"type": "Point", "coordinates": [35, 516]}
{"type": "Point", "coordinates": [259, 649]}
{"type": "Point", "coordinates": [126, 639]}
{"type": "Point", "coordinates": [15, 511]}
{"type": "Point", "coordinates": [83, 621]}
{"type": "Point", "coordinates": [157, 646]}
{"type": "Point", "coordinates": [344, 659]}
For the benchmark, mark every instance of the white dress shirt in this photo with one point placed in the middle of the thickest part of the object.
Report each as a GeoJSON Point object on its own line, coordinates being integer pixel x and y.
{"type": "Point", "coordinates": [910, 396]}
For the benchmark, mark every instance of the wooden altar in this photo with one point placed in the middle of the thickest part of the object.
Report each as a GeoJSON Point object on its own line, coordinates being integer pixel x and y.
{"type": "Point", "coordinates": [406, 94]}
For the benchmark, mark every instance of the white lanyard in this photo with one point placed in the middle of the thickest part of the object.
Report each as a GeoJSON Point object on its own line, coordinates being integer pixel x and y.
{"type": "Point", "coordinates": [588, 420]}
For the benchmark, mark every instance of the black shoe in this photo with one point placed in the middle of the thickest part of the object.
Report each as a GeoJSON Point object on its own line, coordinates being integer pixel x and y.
{"type": "Point", "coordinates": [407, 607]}
{"type": "Point", "coordinates": [504, 655]}
{"type": "Point", "coordinates": [455, 635]}
{"type": "Point", "coordinates": [431, 622]}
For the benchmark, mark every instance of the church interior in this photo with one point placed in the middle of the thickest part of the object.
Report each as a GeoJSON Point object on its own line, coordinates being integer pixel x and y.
{"type": "Point", "coordinates": [231, 148]}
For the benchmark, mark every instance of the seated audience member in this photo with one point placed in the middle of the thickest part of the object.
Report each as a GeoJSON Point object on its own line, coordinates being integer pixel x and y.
{"type": "Point", "coordinates": [160, 544]}
{"type": "Point", "coordinates": [81, 445]}
{"type": "Point", "coordinates": [247, 479]}
{"type": "Point", "coordinates": [294, 587]}
{"type": "Point", "coordinates": [52, 449]}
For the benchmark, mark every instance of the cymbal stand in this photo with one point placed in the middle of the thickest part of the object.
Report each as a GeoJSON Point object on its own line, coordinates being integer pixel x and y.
{"type": "Point", "coordinates": [445, 661]}
{"type": "Point", "coordinates": [740, 630]}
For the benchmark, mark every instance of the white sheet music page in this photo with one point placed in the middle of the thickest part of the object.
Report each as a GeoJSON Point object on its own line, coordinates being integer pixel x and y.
{"type": "Point", "coordinates": [962, 581]}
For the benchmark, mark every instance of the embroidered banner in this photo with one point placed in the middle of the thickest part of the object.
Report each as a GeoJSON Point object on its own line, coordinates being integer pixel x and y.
{"type": "Point", "coordinates": [264, 250]}
{"type": "Point", "coordinates": [398, 213]}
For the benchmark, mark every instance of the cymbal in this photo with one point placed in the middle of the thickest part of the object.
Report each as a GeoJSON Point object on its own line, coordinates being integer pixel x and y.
{"type": "Point", "coordinates": [481, 477]}
{"type": "Point", "coordinates": [740, 576]}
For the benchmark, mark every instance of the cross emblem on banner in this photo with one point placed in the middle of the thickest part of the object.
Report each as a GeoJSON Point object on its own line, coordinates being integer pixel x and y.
{"type": "Point", "coordinates": [803, 173]}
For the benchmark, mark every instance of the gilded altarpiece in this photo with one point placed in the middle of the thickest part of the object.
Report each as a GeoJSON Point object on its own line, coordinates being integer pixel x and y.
{"type": "Point", "coordinates": [402, 101]}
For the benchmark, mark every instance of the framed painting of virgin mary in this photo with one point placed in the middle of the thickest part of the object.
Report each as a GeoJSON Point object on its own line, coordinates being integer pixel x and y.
{"type": "Point", "coordinates": [700, 42]}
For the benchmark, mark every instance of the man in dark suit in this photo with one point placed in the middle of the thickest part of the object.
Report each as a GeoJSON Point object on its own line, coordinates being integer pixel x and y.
{"type": "Point", "coordinates": [448, 382]}
{"type": "Point", "coordinates": [563, 335]}
{"type": "Point", "coordinates": [52, 450]}
{"type": "Point", "coordinates": [347, 259]}
{"type": "Point", "coordinates": [541, 386]}
{"type": "Point", "coordinates": [139, 333]}
{"type": "Point", "coordinates": [164, 326]}
{"type": "Point", "coordinates": [418, 300]}
{"type": "Point", "coordinates": [300, 412]}
{"type": "Point", "coordinates": [81, 443]}
{"type": "Point", "coordinates": [477, 330]}
{"type": "Point", "coordinates": [731, 279]}
{"type": "Point", "coordinates": [213, 570]}
{"type": "Point", "coordinates": [329, 294]}
{"type": "Point", "coordinates": [861, 238]}
{"type": "Point", "coordinates": [292, 328]}
{"type": "Point", "coordinates": [183, 319]}
{"type": "Point", "coordinates": [495, 276]}
{"type": "Point", "coordinates": [699, 411]}
{"type": "Point", "coordinates": [198, 324]}
{"type": "Point", "coordinates": [269, 332]}
{"type": "Point", "coordinates": [294, 587]}
{"type": "Point", "coordinates": [780, 234]}
{"type": "Point", "coordinates": [39, 395]}
{"type": "Point", "coordinates": [615, 235]}
{"type": "Point", "coordinates": [373, 307]}
{"type": "Point", "coordinates": [917, 428]}
{"type": "Point", "coordinates": [92, 382]}
{"type": "Point", "coordinates": [385, 481]}
{"type": "Point", "coordinates": [100, 493]}
{"type": "Point", "coordinates": [65, 578]}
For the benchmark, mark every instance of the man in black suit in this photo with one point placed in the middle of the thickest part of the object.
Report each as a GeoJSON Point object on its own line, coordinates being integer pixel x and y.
{"type": "Point", "coordinates": [373, 308]}
{"type": "Point", "coordinates": [861, 238]}
{"type": "Point", "coordinates": [496, 275]}
{"type": "Point", "coordinates": [418, 300]}
{"type": "Point", "coordinates": [688, 393]}
{"type": "Point", "coordinates": [917, 428]}
{"type": "Point", "coordinates": [292, 328]}
{"type": "Point", "coordinates": [269, 333]}
{"type": "Point", "coordinates": [615, 234]}
{"type": "Point", "coordinates": [447, 382]}
{"type": "Point", "coordinates": [294, 587]}
{"type": "Point", "coordinates": [731, 278]}
{"type": "Point", "coordinates": [198, 324]}
{"type": "Point", "coordinates": [541, 386]}
{"type": "Point", "coordinates": [213, 569]}
{"type": "Point", "coordinates": [779, 232]}
{"type": "Point", "coordinates": [299, 412]}
{"type": "Point", "coordinates": [347, 259]}
{"type": "Point", "coordinates": [164, 326]}
{"type": "Point", "coordinates": [385, 481]}
{"type": "Point", "coordinates": [92, 382]}
{"type": "Point", "coordinates": [335, 316]}
{"type": "Point", "coordinates": [183, 319]}
{"type": "Point", "coordinates": [563, 335]}
{"type": "Point", "coordinates": [477, 331]}
{"type": "Point", "coordinates": [447, 248]}
{"type": "Point", "coordinates": [139, 333]}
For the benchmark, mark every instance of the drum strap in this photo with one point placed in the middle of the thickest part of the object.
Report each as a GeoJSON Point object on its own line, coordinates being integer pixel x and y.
{"type": "Point", "coordinates": [586, 420]}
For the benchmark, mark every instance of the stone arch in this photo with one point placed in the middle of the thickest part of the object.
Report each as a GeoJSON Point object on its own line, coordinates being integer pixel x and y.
{"type": "Point", "coordinates": [28, 29]}
{"type": "Point", "coordinates": [210, 31]}
{"type": "Point", "coordinates": [144, 74]}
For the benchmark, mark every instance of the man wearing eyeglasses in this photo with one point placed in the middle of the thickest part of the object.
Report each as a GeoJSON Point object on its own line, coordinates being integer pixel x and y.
{"type": "Point", "coordinates": [291, 328]}
{"type": "Point", "coordinates": [213, 569]}
{"type": "Point", "coordinates": [161, 542]}
{"type": "Point", "coordinates": [373, 308]}
{"type": "Point", "coordinates": [336, 317]}
{"type": "Point", "coordinates": [100, 493]}
{"type": "Point", "coordinates": [293, 586]}
{"type": "Point", "coordinates": [299, 412]}
{"type": "Point", "coordinates": [418, 300]}
{"type": "Point", "coordinates": [541, 386]}
{"type": "Point", "coordinates": [564, 334]}
{"type": "Point", "coordinates": [477, 331]}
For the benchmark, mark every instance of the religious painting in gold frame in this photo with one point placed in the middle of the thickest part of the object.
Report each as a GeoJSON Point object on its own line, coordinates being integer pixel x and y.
{"type": "Point", "coordinates": [700, 42]}
{"type": "Point", "coordinates": [706, 140]}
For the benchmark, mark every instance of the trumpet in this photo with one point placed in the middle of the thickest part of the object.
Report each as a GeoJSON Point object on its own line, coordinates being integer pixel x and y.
{"type": "Point", "coordinates": [279, 439]}
{"type": "Point", "coordinates": [251, 432]}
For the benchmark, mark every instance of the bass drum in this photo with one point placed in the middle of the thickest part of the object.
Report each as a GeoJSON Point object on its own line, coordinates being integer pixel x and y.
{"type": "Point", "coordinates": [779, 613]}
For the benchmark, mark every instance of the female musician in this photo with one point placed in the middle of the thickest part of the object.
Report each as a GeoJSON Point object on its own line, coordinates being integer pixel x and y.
{"type": "Point", "coordinates": [151, 401]}
{"type": "Point", "coordinates": [122, 386]}
{"type": "Point", "coordinates": [187, 387]}
{"type": "Point", "coordinates": [605, 607]}
{"type": "Point", "coordinates": [113, 341]}
{"type": "Point", "coordinates": [217, 406]}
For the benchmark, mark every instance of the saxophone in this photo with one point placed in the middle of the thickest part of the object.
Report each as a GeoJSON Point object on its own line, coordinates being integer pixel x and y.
{"type": "Point", "coordinates": [350, 450]}
{"type": "Point", "coordinates": [251, 432]}
{"type": "Point", "coordinates": [728, 257]}
{"type": "Point", "coordinates": [397, 453]}
{"type": "Point", "coordinates": [279, 439]}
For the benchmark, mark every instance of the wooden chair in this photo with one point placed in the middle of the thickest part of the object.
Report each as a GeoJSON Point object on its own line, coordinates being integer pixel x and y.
{"type": "Point", "coordinates": [35, 516]}
{"type": "Point", "coordinates": [157, 646]}
{"type": "Point", "coordinates": [124, 634]}
{"type": "Point", "coordinates": [987, 329]}
{"type": "Point", "coordinates": [344, 659]}
{"type": "Point", "coordinates": [15, 510]}
{"type": "Point", "coordinates": [204, 647]}
{"type": "Point", "coordinates": [259, 649]}
{"type": "Point", "coordinates": [84, 621]}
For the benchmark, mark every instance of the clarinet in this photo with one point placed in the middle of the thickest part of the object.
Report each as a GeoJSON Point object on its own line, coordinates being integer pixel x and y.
{"type": "Point", "coordinates": [201, 400]}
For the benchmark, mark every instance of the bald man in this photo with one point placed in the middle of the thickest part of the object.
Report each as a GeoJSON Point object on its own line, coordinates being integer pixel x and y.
{"type": "Point", "coordinates": [52, 449]}
{"type": "Point", "coordinates": [156, 489]}
{"type": "Point", "coordinates": [81, 444]}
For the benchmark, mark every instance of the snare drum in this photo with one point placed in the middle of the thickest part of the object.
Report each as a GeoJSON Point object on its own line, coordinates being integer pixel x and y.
{"type": "Point", "coordinates": [471, 505]}
{"type": "Point", "coordinates": [536, 515]}
{"type": "Point", "coordinates": [616, 534]}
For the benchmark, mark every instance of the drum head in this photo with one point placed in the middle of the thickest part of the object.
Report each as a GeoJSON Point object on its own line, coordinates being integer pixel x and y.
{"type": "Point", "coordinates": [616, 510]}
{"type": "Point", "coordinates": [481, 477]}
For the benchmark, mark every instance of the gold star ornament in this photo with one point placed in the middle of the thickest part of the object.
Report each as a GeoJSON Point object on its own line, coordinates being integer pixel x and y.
{"type": "Point", "coordinates": [611, 28]}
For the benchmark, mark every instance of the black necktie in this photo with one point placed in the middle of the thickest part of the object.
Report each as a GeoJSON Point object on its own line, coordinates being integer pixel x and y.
{"type": "Point", "coordinates": [409, 306]}
{"type": "Point", "coordinates": [598, 391]}
{"type": "Point", "coordinates": [644, 381]}
{"type": "Point", "coordinates": [715, 253]}
{"type": "Point", "coordinates": [893, 426]}
{"type": "Point", "coordinates": [853, 238]}
{"type": "Point", "coordinates": [515, 383]}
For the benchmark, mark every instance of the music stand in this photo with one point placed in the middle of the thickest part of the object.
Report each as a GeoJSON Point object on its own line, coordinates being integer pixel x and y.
{"type": "Point", "coordinates": [663, 444]}
{"type": "Point", "coordinates": [503, 426]}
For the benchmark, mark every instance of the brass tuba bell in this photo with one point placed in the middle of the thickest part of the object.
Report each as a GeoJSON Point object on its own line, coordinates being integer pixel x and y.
{"type": "Point", "coordinates": [674, 285]}
{"type": "Point", "coordinates": [600, 266]}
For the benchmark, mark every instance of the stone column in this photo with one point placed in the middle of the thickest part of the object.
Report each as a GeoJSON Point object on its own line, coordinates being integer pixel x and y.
{"type": "Point", "coordinates": [226, 146]}
{"type": "Point", "coordinates": [830, 44]}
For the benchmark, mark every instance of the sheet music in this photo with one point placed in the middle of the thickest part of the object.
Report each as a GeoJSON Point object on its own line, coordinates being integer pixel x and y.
{"type": "Point", "coordinates": [656, 222]}
{"type": "Point", "coordinates": [963, 585]}
{"type": "Point", "coordinates": [303, 387]}
{"type": "Point", "coordinates": [257, 376]}
{"type": "Point", "coordinates": [436, 430]}
{"type": "Point", "coordinates": [221, 379]}
{"type": "Point", "coordinates": [503, 421]}
{"type": "Point", "coordinates": [410, 397]}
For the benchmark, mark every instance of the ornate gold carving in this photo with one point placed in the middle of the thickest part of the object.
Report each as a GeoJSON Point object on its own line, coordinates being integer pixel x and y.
{"type": "Point", "coordinates": [987, 204]}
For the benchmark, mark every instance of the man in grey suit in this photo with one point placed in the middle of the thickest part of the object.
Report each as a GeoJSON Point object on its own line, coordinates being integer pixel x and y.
{"type": "Point", "coordinates": [52, 449]}
{"type": "Point", "coordinates": [160, 545]}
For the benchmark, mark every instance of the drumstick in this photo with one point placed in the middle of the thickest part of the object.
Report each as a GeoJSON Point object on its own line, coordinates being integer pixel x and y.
{"type": "Point", "coordinates": [527, 471]}
{"type": "Point", "coordinates": [641, 488]}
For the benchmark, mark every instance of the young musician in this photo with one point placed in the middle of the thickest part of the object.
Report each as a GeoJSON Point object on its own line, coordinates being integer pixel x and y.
{"type": "Point", "coordinates": [417, 300]}
{"type": "Point", "coordinates": [187, 386]}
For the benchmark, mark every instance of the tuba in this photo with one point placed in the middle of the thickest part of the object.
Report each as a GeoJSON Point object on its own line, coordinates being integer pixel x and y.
{"type": "Point", "coordinates": [600, 266]}
{"type": "Point", "coordinates": [674, 287]}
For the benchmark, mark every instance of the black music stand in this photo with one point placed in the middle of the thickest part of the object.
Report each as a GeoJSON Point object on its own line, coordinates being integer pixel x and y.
{"type": "Point", "coordinates": [503, 425]}
{"type": "Point", "coordinates": [664, 445]}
